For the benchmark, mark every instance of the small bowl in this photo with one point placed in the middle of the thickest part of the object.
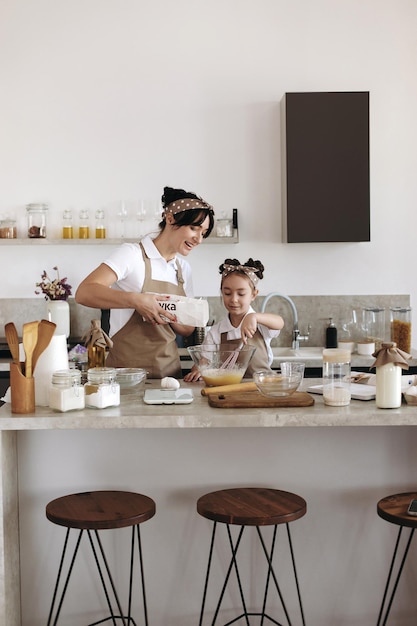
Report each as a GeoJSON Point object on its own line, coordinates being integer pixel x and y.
{"type": "Point", "coordinates": [279, 383]}
{"type": "Point", "coordinates": [219, 365]}
{"type": "Point", "coordinates": [128, 377]}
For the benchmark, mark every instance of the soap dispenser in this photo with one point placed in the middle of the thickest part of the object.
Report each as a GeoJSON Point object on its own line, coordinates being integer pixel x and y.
{"type": "Point", "coordinates": [331, 334]}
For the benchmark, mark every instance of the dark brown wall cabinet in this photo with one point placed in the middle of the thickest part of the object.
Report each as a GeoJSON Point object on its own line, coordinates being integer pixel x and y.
{"type": "Point", "coordinates": [326, 163]}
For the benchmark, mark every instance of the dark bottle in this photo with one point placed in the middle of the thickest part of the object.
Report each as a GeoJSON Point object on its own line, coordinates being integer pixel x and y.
{"type": "Point", "coordinates": [331, 335]}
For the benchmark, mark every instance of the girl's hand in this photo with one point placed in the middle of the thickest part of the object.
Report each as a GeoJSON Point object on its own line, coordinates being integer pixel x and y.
{"type": "Point", "coordinates": [248, 327]}
{"type": "Point", "coordinates": [147, 305]}
{"type": "Point", "coordinates": [193, 375]}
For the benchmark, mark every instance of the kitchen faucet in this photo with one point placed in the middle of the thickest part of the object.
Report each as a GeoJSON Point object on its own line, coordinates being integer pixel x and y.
{"type": "Point", "coordinates": [296, 337]}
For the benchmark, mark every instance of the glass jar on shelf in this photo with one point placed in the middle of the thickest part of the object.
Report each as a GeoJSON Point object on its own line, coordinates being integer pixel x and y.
{"type": "Point", "coordinates": [37, 220]}
{"type": "Point", "coordinates": [67, 227]}
{"type": "Point", "coordinates": [8, 229]}
{"type": "Point", "coordinates": [84, 226]}
{"type": "Point", "coordinates": [400, 322]}
{"type": "Point", "coordinates": [100, 226]}
{"type": "Point", "coordinates": [374, 325]}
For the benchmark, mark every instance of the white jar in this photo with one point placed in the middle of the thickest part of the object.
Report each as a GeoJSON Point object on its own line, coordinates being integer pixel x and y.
{"type": "Point", "coordinates": [101, 388]}
{"type": "Point", "coordinates": [336, 376]}
{"type": "Point", "coordinates": [388, 386]}
{"type": "Point", "coordinates": [66, 392]}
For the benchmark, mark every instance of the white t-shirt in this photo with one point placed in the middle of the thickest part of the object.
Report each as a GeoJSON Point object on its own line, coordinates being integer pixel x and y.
{"type": "Point", "coordinates": [127, 263]}
{"type": "Point", "coordinates": [224, 326]}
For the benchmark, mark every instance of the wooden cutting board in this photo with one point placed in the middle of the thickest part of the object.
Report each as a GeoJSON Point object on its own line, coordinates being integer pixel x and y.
{"type": "Point", "coordinates": [254, 399]}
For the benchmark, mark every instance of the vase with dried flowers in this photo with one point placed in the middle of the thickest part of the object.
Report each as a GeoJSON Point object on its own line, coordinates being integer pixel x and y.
{"type": "Point", "coordinates": [56, 294]}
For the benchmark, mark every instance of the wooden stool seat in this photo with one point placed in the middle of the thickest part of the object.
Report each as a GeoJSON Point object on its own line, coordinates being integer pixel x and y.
{"type": "Point", "coordinates": [97, 510]}
{"type": "Point", "coordinates": [393, 509]}
{"type": "Point", "coordinates": [251, 507]}
{"type": "Point", "coordinates": [92, 512]}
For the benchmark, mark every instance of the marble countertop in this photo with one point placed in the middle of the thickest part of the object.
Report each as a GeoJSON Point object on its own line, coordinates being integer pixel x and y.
{"type": "Point", "coordinates": [134, 413]}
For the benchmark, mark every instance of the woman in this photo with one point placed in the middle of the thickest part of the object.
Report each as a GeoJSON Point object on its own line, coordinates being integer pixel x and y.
{"type": "Point", "coordinates": [129, 281]}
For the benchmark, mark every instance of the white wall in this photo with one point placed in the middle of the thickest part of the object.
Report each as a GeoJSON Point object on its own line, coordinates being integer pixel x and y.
{"type": "Point", "coordinates": [104, 100]}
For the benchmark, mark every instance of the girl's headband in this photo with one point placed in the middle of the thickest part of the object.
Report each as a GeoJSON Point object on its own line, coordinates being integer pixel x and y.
{"type": "Point", "coordinates": [249, 271]}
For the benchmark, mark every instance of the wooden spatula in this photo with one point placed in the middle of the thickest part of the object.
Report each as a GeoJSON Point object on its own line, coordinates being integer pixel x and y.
{"type": "Point", "coordinates": [29, 339]}
{"type": "Point", "coordinates": [13, 342]}
{"type": "Point", "coordinates": [46, 331]}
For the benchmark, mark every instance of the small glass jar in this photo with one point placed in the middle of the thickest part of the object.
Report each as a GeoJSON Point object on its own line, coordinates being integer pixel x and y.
{"type": "Point", "coordinates": [336, 376]}
{"type": "Point", "coordinates": [37, 220]}
{"type": "Point", "coordinates": [66, 392]}
{"type": "Point", "coordinates": [100, 226]}
{"type": "Point", "coordinates": [224, 228]}
{"type": "Point", "coordinates": [84, 227]}
{"type": "Point", "coordinates": [400, 321]}
{"type": "Point", "coordinates": [67, 227]}
{"type": "Point", "coordinates": [101, 388]}
{"type": "Point", "coordinates": [8, 229]}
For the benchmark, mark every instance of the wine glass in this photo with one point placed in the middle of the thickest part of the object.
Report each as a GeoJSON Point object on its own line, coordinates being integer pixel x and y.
{"type": "Point", "coordinates": [142, 216]}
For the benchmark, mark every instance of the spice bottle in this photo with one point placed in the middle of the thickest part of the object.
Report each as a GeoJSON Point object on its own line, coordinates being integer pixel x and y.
{"type": "Point", "coordinates": [389, 363]}
{"type": "Point", "coordinates": [101, 388]}
{"type": "Point", "coordinates": [96, 342]}
{"type": "Point", "coordinates": [84, 228]}
{"type": "Point", "coordinates": [331, 334]}
{"type": "Point", "coordinates": [67, 227]}
{"type": "Point", "coordinates": [400, 321]}
{"type": "Point", "coordinates": [100, 226]}
{"type": "Point", "coordinates": [336, 376]}
{"type": "Point", "coordinates": [37, 220]}
{"type": "Point", "coordinates": [66, 392]}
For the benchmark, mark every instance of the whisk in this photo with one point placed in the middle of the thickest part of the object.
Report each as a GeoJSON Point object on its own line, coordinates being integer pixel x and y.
{"type": "Point", "coordinates": [232, 358]}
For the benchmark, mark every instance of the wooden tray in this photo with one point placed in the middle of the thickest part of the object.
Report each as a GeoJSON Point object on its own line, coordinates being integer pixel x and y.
{"type": "Point", "coordinates": [254, 399]}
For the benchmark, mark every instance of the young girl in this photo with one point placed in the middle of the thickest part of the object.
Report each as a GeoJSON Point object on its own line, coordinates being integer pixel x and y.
{"type": "Point", "coordinates": [239, 289]}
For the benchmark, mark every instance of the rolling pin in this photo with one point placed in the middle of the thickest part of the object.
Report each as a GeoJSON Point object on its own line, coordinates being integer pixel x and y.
{"type": "Point", "coordinates": [206, 391]}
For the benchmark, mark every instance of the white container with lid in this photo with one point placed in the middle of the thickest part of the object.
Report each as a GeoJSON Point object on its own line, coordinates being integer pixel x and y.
{"type": "Point", "coordinates": [336, 376]}
{"type": "Point", "coordinates": [101, 388]}
{"type": "Point", "coordinates": [66, 392]}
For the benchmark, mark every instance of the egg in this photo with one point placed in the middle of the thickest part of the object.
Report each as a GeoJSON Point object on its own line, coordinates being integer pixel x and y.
{"type": "Point", "coordinates": [169, 383]}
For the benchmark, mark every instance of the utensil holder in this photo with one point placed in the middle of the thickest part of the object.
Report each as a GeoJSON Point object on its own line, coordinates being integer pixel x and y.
{"type": "Point", "coordinates": [22, 391]}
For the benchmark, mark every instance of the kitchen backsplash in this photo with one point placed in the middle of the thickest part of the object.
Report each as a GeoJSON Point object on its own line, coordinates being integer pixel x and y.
{"type": "Point", "coordinates": [312, 310]}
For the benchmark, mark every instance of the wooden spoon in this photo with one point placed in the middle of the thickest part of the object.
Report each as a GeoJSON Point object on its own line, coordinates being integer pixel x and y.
{"type": "Point", "coordinates": [46, 331]}
{"type": "Point", "coordinates": [29, 338]}
{"type": "Point", "coordinates": [13, 342]}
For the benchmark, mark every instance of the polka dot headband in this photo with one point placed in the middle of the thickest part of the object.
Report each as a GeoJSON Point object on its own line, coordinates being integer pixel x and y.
{"type": "Point", "coordinates": [249, 271]}
{"type": "Point", "coordinates": [186, 204]}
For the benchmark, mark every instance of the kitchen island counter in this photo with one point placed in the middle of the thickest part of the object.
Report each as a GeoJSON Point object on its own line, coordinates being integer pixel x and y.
{"type": "Point", "coordinates": [175, 453]}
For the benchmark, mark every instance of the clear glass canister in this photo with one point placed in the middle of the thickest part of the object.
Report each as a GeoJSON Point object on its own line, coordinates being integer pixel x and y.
{"type": "Point", "coordinates": [84, 227]}
{"type": "Point", "coordinates": [101, 388]}
{"type": "Point", "coordinates": [224, 228]}
{"type": "Point", "coordinates": [37, 220]}
{"type": "Point", "coordinates": [374, 325]}
{"type": "Point", "coordinates": [100, 225]}
{"type": "Point", "coordinates": [400, 321]}
{"type": "Point", "coordinates": [66, 392]}
{"type": "Point", "coordinates": [336, 376]}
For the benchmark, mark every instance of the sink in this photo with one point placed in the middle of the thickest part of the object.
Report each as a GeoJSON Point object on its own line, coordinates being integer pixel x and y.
{"type": "Point", "coordinates": [304, 353]}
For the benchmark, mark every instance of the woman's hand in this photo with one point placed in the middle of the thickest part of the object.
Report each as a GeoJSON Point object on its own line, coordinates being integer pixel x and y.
{"type": "Point", "coordinates": [147, 305]}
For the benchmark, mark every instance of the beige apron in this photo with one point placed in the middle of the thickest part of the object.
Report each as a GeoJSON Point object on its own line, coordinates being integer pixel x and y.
{"type": "Point", "coordinates": [259, 360]}
{"type": "Point", "coordinates": [141, 344]}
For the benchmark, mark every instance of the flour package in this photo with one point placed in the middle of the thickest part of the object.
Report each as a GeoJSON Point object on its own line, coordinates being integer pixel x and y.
{"type": "Point", "coordinates": [189, 311]}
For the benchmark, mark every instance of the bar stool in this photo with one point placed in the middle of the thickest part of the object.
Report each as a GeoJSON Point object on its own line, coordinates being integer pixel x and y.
{"type": "Point", "coordinates": [94, 511]}
{"type": "Point", "coordinates": [251, 506]}
{"type": "Point", "coordinates": [393, 509]}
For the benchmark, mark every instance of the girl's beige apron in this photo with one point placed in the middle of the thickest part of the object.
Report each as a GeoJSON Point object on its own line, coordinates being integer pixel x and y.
{"type": "Point", "coordinates": [141, 344]}
{"type": "Point", "coordinates": [259, 360]}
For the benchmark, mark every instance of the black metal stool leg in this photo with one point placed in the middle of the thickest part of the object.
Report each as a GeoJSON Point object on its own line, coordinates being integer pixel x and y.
{"type": "Point", "coordinates": [390, 573]}
{"type": "Point", "coordinates": [295, 575]}
{"type": "Point", "coordinates": [59, 578]}
{"type": "Point", "coordinates": [271, 572]}
{"type": "Point", "coordinates": [213, 534]}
